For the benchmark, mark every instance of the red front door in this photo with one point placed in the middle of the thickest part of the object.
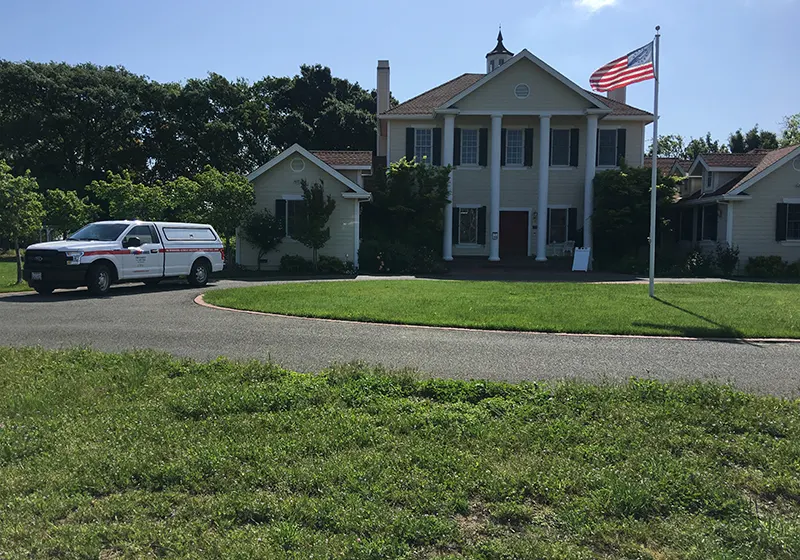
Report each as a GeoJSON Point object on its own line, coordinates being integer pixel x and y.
{"type": "Point", "coordinates": [513, 234]}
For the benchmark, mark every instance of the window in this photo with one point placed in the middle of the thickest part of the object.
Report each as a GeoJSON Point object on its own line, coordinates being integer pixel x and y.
{"type": "Point", "coordinates": [423, 145]}
{"type": "Point", "coordinates": [686, 224]}
{"type": "Point", "coordinates": [469, 146]}
{"type": "Point", "coordinates": [491, 65]}
{"type": "Point", "coordinates": [467, 226]}
{"type": "Point", "coordinates": [294, 210]}
{"type": "Point", "coordinates": [607, 148]}
{"type": "Point", "coordinates": [793, 221]}
{"type": "Point", "coordinates": [708, 218]}
{"type": "Point", "coordinates": [558, 225]}
{"type": "Point", "coordinates": [142, 232]}
{"type": "Point", "coordinates": [559, 147]}
{"type": "Point", "coordinates": [515, 146]}
{"type": "Point", "coordinates": [99, 232]}
{"type": "Point", "coordinates": [188, 234]}
{"type": "Point", "coordinates": [297, 165]}
{"type": "Point", "coordinates": [709, 181]}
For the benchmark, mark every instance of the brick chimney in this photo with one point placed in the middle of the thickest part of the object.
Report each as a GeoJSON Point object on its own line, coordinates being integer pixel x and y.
{"type": "Point", "coordinates": [383, 106]}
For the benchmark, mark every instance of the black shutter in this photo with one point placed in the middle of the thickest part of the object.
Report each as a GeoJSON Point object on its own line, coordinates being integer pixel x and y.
{"type": "Point", "coordinates": [699, 215]}
{"type": "Point", "coordinates": [482, 225]}
{"type": "Point", "coordinates": [780, 226]}
{"type": "Point", "coordinates": [280, 213]}
{"type": "Point", "coordinates": [410, 138]}
{"type": "Point", "coordinates": [574, 139]}
{"type": "Point", "coordinates": [503, 146]}
{"type": "Point", "coordinates": [437, 146]}
{"type": "Point", "coordinates": [621, 145]}
{"type": "Point", "coordinates": [455, 225]}
{"type": "Point", "coordinates": [551, 148]}
{"type": "Point", "coordinates": [528, 147]}
{"type": "Point", "coordinates": [457, 146]}
{"type": "Point", "coordinates": [483, 145]}
{"type": "Point", "coordinates": [572, 224]}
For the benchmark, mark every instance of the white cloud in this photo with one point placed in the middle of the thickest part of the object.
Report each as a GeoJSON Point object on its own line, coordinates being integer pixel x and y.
{"type": "Point", "coordinates": [594, 5]}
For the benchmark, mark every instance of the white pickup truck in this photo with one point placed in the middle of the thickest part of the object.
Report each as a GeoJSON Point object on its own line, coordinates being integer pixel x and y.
{"type": "Point", "coordinates": [104, 253]}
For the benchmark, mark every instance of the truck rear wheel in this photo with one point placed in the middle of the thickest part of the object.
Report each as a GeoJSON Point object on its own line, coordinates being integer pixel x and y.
{"type": "Point", "coordinates": [198, 277]}
{"type": "Point", "coordinates": [98, 280]}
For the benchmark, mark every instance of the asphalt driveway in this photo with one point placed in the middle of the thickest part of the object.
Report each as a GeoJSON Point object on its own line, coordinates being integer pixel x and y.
{"type": "Point", "coordinates": [166, 318]}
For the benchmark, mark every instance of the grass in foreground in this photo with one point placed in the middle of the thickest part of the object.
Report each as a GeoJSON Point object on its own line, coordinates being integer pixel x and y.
{"type": "Point", "coordinates": [709, 310]}
{"type": "Point", "coordinates": [143, 455]}
{"type": "Point", "coordinates": [8, 278]}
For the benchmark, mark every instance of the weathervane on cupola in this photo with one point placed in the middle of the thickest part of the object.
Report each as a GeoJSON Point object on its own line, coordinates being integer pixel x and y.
{"type": "Point", "coordinates": [499, 55]}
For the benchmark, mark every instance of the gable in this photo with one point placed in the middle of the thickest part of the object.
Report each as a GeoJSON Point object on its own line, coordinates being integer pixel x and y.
{"type": "Point", "coordinates": [282, 179]}
{"type": "Point", "coordinates": [547, 93]}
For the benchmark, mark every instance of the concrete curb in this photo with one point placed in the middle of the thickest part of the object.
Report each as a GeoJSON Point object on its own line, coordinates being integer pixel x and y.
{"type": "Point", "coordinates": [200, 301]}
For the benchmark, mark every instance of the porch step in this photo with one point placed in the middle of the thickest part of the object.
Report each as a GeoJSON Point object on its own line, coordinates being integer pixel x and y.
{"type": "Point", "coordinates": [555, 264]}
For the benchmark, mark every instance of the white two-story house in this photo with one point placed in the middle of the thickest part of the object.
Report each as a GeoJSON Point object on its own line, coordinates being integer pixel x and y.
{"type": "Point", "coordinates": [525, 143]}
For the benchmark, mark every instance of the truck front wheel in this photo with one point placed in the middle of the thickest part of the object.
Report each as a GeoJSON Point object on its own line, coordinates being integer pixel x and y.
{"type": "Point", "coordinates": [98, 279]}
{"type": "Point", "coordinates": [198, 277]}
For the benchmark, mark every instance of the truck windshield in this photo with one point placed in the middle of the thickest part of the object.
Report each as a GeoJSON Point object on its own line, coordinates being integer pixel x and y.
{"type": "Point", "coordinates": [98, 232]}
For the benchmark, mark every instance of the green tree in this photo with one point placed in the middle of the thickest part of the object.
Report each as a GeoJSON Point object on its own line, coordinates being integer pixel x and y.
{"type": "Point", "coordinates": [226, 201]}
{"type": "Point", "coordinates": [753, 139]}
{"type": "Point", "coordinates": [622, 212]}
{"type": "Point", "coordinates": [184, 200]}
{"type": "Point", "coordinates": [126, 200]}
{"type": "Point", "coordinates": [264, 231]}
{"type": "Point", "coordinates": [790, 131]}
{"type": "Point", "coordinates": [21, 209]}
{"type": "Point", "coordinates": [671, 146]}
{"type": "Point", "coordinates": [311, 229]}
{"type": "Point", "coordinates": [66, 212]}
{"type": "Point", "coordinates": [704, 145]}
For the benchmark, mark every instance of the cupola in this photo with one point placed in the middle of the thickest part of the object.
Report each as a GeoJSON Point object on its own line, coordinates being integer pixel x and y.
{"type": "Point", "coordinates": [497, 57]}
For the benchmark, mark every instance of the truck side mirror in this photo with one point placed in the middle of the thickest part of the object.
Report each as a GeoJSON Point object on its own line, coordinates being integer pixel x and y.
{"type": "Point", "coordinates": [132, 242]}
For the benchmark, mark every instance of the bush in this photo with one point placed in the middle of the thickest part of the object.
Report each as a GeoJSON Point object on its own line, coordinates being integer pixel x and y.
{"type": "Point", "coordinates": [793, 270]}
{"type": "Point", "coordinates": [767, 267]}
{"type": "Point", "coordinates": [398, 258]}
{"type": "Point", "coordinates": [333, 265]}
{"type": "Point", "coordinates": [726, 259]}
{"type": "Point", "coordinates": [698, 263]}
{"type": "Point", "coordinates": [295, 264]}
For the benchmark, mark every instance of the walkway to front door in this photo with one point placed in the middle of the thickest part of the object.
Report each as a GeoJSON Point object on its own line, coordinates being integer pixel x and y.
{"type": "Point", "coordinates": [513, 234]}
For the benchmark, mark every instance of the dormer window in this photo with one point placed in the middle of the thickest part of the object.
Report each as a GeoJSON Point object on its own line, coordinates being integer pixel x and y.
{"type": "Point", "coordinates": [501, 62]}
{"type": "Point", "coordinates": [709, 181]}
{"type": "Point", "coordinates": [491, 65]}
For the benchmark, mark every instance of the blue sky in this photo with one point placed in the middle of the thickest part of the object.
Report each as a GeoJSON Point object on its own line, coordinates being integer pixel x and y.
{"type": "Point", "coordinates": [725, 63]}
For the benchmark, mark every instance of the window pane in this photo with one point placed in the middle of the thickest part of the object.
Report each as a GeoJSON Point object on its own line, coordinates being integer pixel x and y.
{"type": "Point", "coordinates": [294, 210]}
{"type": "Point", "coordinates": [559, 148]}
{"type": "Point", "coordinates": [710, 222]}
{"type": "Point", "coordinates": [514, 147]}
{"type": "Point", "coordinates": [709, 180]}
{"type": "Point", "coordinates": [793, 221]}
{"type": "Point", "coordinates": [468, 225]}
{"type": "Point", "coordinates": [423, 146]}
{"type": "Point", "coordinates": [607, 148]}
{"type": "Point", "coordinates": [188, 234]}
{"type": "Point", "coordinates": [558, 225]}
{"type": "Point", "coordinates": [469, 147]}
{"type": "Point", "coordinates": [142, 232]}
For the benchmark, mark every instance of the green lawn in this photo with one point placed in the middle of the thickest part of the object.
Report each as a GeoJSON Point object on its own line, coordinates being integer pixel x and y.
{"type": "Point", "coordinates": [717, 309]}
{"type": "Point", "coordinates": [143, 455]}
{"type": "Point", "coordinates": [8, 278]}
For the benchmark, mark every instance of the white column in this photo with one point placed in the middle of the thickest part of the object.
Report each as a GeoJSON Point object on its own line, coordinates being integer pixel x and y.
{"type": "Point", "coordinates": [447, 159]}
{"type": "Point", "coordinates": [729, 224]}
{"type": "Point", "coordinates": [356, 231]}
{"type": "Point", "coordinates": [494, 184]}
{"type": "Point", "coordinates": [588, 189]}
{"type": "Point", "coordinates": [544, 184]}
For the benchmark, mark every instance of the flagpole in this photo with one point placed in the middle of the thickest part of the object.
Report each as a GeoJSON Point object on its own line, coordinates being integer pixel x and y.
{"type": "Point", "coordinates": [654, 175]}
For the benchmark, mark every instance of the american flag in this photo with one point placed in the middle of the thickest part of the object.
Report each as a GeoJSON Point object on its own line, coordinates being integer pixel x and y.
{"type": "Point", "coordinates": [636, 66]}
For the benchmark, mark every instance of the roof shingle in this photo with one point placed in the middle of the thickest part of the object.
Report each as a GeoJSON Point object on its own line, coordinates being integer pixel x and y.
{"type": "Point", "coordinates": [337, 158]}
{"type": "Point", "coordinates": [666, 163]}
{"type": "Point", "coordinates": [750, 159]}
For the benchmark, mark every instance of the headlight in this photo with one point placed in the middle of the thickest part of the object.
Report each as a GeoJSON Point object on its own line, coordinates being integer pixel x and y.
{"type": "Point", "coordinates": [74, 257]}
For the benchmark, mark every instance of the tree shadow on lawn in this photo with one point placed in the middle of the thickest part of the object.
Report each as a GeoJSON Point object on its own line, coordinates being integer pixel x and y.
{"type": "Point", "coordinates": [725, 333]}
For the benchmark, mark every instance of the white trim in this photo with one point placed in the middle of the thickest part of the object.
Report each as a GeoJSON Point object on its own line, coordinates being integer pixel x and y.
{"type": "Point", "coordinates": [529, 210]}
{"type": "Point", "coordinates": [527, 94]}
{"type": "Point", "coordinates": [292, 197]}
{"type": "Point", "coordinates": [506, 113]}
{"type": "Point", "coordinates": [647, 118]}
{"type": "Point", "coordinates": [790, 242]}
{"type": "Point", "coordinates": [356, 232]}
{"type": "Point", "coordinates": [777, 165]}
{"type": "Point", "coordinates": [302, 165]}
{"type": "Point", "coordinates": [388, 144]}
{"type": "Point", "coordinates": [298, 149]}
{"type": "Point", "coordinates": [717, 169]}
{"type": "Point", "coordinates": [560, 206]}
{"type": "Point", "coordinates": [468, 205]}
{"type": "Point", "coordinates": [729, 225]}
{"type": "Point", "coordinates": [416, 129]}
{"type": "Point", "coordinates": [422, 116]}
{"type": "Point", "coordinates": [352, 167]}
{"type": "Point", "coordinates": [526, 54]}
{"type": "Point", "coordinates": [359, 196]}
{"type": "Point", "coordinates": [791, 200]}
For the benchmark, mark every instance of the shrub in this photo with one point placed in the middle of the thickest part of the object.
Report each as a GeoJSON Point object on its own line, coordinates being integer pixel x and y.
{"type": "Point", "coordinates": [698, 263]}
{"type": "Point", "coordinates": [726, 259]}
{"type": "Point", "coordinates": [767, 267]}
{"type": "Point", "coordinates": [398, 258]}
{"type": "Point", "coordinates": [793, 270]}
{"type": "Point", "coordinates": [295, 264]}
{"type": "Point", "coordinates": [334, 265]}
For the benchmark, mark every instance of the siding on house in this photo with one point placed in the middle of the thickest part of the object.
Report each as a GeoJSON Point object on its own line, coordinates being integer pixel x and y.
{"type": "Point", "coordinates": [754, 220]}
{"type": "Point", "coordinates": [519, 186]}
{"type": "Point", "coordinates": [281, 180]}
{"type": "Point", "coordinates": [546, 92]}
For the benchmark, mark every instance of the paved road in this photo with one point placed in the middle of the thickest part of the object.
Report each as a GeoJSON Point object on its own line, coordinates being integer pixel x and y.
{"type": "Point", "coordinates": [167, 319]}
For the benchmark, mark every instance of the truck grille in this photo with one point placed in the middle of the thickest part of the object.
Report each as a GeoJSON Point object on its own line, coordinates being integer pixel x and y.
{"type": "Point", "coordinates": [37, 259]}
